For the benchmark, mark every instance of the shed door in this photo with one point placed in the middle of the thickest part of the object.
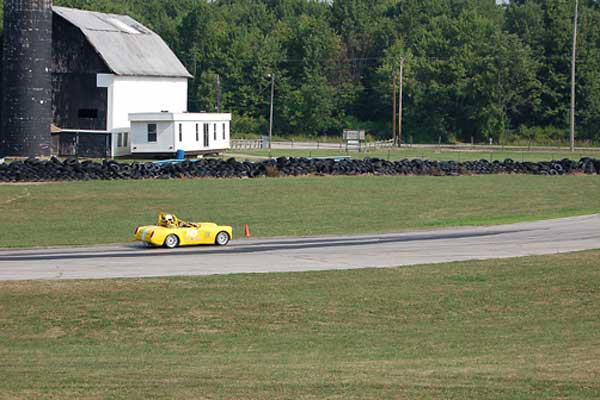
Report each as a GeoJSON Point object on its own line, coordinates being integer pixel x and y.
{"type": "Point", "coordinates": [206, 136]}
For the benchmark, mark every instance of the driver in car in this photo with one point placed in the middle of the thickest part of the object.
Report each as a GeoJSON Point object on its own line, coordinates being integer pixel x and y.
{"type": "Point", "coordinates": [168, 221]}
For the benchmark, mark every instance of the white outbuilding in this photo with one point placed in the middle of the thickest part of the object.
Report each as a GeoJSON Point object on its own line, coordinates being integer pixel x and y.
{"type": "Point", "coordinates": [160, 133]}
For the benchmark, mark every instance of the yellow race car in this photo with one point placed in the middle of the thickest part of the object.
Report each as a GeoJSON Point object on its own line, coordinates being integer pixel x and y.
{"type": "Point", "coordinates": [172, 232]}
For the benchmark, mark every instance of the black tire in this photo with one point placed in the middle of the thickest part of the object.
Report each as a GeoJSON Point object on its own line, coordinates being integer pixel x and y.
{"type": "Point", "coordinates": [222, 238]}
{"type": "Point", "coordinates": [171, 241]}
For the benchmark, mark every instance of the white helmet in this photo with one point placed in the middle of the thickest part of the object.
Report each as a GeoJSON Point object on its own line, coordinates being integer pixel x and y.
{"type": "Point", "coordinates": [169, 218]}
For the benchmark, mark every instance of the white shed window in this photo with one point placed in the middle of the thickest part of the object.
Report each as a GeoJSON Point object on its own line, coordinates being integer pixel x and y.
{"type": "Point", "coordinates": [125, 139]}
{"type": "Point", "coordinates": [223, 131]}
{"type": "Point", "coordinates": [215, 132]}
{"type": "Point", "coordinates": [151, 133]}
{"type": "Point", "coordinates": [181, 132]}
{"type": "Point", "coordinates": [119, 139]}
{"type": "Point", "coordinates": [197, 132]}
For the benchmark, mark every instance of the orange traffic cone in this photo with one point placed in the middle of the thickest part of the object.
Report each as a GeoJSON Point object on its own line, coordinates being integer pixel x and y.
{"type": "Point", "coordinates": [247, 231]}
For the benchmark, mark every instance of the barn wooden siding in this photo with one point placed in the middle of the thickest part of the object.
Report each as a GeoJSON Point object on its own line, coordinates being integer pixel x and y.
{"type": "Point", "coordinates": [77, 102]}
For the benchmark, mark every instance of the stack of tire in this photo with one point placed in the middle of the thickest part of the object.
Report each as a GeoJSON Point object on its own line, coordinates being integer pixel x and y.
{"type": "Point", "coordinates": [72, 169]}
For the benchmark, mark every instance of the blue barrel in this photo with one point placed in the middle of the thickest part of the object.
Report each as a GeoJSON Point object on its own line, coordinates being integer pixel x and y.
{"type": "Point", "coordinates": [180, 155]}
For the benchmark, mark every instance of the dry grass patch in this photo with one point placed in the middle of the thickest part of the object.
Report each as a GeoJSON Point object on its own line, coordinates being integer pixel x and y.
{"type": "Point", "coordinates": [107, 212]}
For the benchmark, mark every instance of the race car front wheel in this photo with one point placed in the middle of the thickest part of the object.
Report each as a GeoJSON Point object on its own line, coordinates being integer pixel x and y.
{"type": "Point", "coordinates": [171, 241]}
{"type": "Point", "coordinates": [222, 239]}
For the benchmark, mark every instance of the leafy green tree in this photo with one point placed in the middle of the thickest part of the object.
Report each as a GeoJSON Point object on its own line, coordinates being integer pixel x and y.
{"type": "Point", "coordinates": [473, 68]}
{"type": "Point", "coordinates": [588, 76]}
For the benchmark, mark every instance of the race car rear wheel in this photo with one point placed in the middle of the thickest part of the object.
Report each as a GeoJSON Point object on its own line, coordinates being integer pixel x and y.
{"type": "Point", "coordinates": [222, 239]}
{"type": "Point", "coordinates": [171, 241]}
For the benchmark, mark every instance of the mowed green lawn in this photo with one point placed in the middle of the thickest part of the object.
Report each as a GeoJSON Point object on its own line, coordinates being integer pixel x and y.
{"type": "Point", "coordinates": [108, 212]}
{"type": "Point", "coordinates": [503, 329]}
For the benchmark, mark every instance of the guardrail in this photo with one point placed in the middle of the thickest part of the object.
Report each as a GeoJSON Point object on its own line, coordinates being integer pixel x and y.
{"type": "Point", "coordinates": [246, 144]}
{"type": "Point", "coordinates": [257, 144]}
{"type": "Point", "coordinates": [500, 147]}
{"type": "Point", "coordinates": [381, 144]}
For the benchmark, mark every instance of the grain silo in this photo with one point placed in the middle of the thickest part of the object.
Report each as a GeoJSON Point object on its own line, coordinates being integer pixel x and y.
{"type": "Point", "coordinates": [26, 78]}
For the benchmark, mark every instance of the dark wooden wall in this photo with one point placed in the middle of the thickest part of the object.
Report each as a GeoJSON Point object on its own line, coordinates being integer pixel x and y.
{"type": "Point", "coordinates": [75, 95]}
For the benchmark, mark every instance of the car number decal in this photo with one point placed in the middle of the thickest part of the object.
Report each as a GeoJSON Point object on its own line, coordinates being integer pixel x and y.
{"type": "Point", "coordinates": [192, 234]}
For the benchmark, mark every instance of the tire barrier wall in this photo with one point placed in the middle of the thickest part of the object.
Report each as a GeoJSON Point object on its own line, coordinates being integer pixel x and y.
{"type": "Point", "coordinates": [71, 169]}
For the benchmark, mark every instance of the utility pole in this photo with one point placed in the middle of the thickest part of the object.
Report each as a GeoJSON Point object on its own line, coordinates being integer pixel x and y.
{"type": "Point", "coordinates": [394, 109]}
{"type": "Point", "coordinates": [218, 93]}
{"type": "Point", "coordinates": [573, 70]}
{"type": "Point", "coordinates": [400, 102]}
{"type": "Point", "coordinates": [271, 114]}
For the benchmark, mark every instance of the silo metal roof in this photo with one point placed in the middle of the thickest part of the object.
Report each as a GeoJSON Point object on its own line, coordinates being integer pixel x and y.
{"type": "Point", "coordinates": [127, 47]}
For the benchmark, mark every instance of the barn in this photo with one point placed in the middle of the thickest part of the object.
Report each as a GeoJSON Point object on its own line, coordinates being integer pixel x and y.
{"type": "Point", "coordinates": [74, 94]}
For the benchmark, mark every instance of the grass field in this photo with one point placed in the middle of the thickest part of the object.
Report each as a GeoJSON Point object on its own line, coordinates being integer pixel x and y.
{"type": "Point", "coordinates": [503, 329]}
{"type": "Point", "coordinates": [430, 154]}
{"type": "Point", "coordinates": [108, 212]}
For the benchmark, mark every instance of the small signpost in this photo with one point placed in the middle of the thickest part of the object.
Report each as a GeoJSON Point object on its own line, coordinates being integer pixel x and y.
{"type": "Point", "coordinates": [265, 143]}
{"type": "Point", "coordinates": [354, 139]}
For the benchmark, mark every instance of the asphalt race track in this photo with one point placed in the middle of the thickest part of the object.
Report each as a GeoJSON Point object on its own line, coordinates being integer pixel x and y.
{"type": "Point", "coordinates": [305, 254]}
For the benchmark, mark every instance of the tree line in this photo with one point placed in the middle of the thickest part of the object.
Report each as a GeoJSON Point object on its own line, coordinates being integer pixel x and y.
{"type": "Point", "coordinates": [474, 69]}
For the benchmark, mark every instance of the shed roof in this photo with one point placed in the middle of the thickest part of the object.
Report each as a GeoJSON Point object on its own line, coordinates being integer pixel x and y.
{"type": "Point", "coordinates": [127, 47]}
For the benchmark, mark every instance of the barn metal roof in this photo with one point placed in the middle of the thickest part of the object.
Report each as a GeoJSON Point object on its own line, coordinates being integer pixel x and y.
{"type": "Point", "coordinates": [127, 47]}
